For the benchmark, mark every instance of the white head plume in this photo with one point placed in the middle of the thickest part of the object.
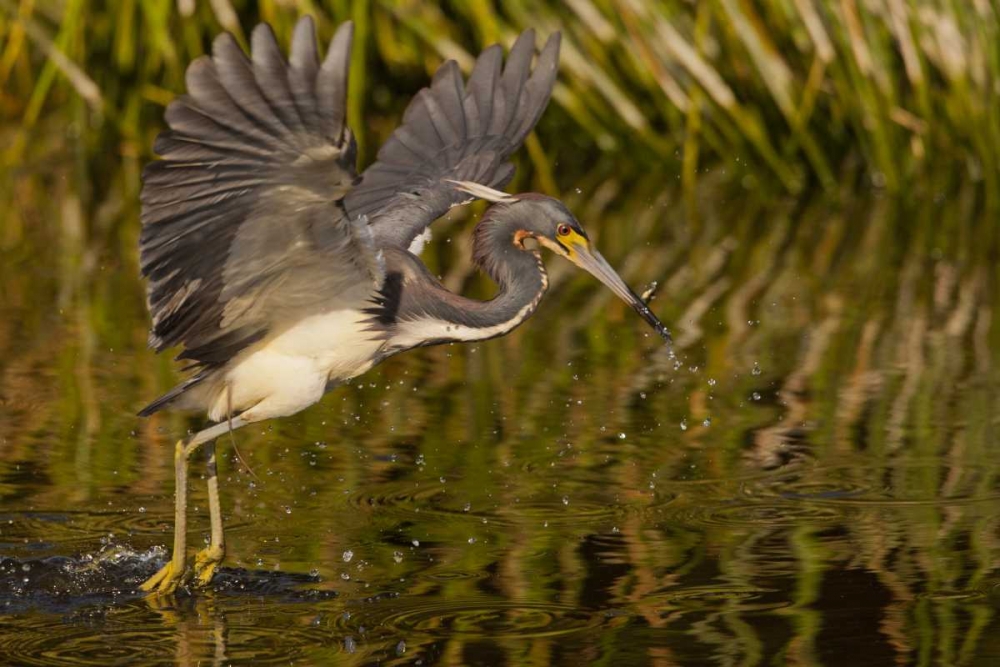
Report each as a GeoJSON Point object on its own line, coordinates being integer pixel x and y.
{"type": "Point", "coordinates": [481, 191]}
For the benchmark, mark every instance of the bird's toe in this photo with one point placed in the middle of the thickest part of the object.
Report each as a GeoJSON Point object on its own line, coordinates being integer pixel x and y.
{"type": "Point", "coordinates": [206, 562]}
{"type": "Point", "coordinates": [165, 581]}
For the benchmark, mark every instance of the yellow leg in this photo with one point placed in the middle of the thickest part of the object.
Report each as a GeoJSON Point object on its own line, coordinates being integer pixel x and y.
{"type": "Point", "coordinates": [208, 559]}
{"type": "Point", "coordinates": [172, 574]}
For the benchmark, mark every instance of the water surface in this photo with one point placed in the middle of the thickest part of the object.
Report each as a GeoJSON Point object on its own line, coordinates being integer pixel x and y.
{"type": "Point", "coordinates": [814, 480]}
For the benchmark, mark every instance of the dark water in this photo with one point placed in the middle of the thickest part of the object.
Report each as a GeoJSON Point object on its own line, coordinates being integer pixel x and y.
{"type": "Point", "coordinates": [814, 482]}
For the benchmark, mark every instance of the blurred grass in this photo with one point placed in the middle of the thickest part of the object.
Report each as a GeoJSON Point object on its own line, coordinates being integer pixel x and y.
{"type": "Point", "coordinates": [782, 95]}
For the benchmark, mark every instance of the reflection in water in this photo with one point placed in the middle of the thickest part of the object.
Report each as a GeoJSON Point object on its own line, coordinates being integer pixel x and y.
{"type": "Point", "coordinates": [535, 499]}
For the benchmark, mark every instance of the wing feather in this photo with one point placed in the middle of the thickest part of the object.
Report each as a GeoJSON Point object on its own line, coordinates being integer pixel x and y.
{"type": "Point", "coordinates": [447, 92]}
{"type": "Point", "coordinates": [483, 84]}
{"type": "Point", "coordinates": [304, 61]}
{"type": "Point", "coordinates": [243, 223]}
{"type": "Point", "coordinates": [331, 85]}
{"type": "Point", "coordinates": [455, 131]}
{"type": "Point", "coordinates": [271, 73]}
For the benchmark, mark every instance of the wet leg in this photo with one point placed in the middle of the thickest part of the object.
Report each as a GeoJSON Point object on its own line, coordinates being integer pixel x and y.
{"type": "Point", "coordinates": [172, 575]}
{"type": "Point", "coordinates": [208, 559]}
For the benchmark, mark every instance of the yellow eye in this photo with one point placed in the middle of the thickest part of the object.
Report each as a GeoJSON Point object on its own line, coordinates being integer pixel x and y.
{"type": "Point", "coordinates": [563, 229]}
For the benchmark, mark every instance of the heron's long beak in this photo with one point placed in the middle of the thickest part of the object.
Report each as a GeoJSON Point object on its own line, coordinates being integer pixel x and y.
{"type": "Point", "coordinates": [591, 261]}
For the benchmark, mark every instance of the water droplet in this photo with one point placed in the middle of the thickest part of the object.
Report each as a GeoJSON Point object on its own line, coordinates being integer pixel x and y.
{"type": "Point", "coordinates": [756, 369]}
{"type": "Point", "coordinates": [397, 556]}
{"type": "Point", "coordinates": [350, 646]}
{"type": "Point", "coordinates": [707, 422]}
{"type": "Point", "coordinates": [711, 382]}
{"type": "Point", "coordinates": [615, 530]}
{"type": "Point", "coordinates": [468, 506]}
{"type": "Point", "coordinates": [345, 576]}
{"type": "Point", "coordinates": [472, 540]}
{"type": "Point", "coordinates": [288, 510]}
{"type": "Point", "coordinates": [142, 510]}
{"type": "Point", "coordinates": [684, 425]}
{"type": "Point", "coordinates": [348, 555]}
{"type": "Point", "coordinates": [415, 543]}
{"type": "Point", "coordinates": [755, 396]}
{"type": "Point", "coordinates": [621, 436]}
{"type": "Point", "coordinates": [401, 647]}
{"type": "Point", "coordinates": [565, 500]}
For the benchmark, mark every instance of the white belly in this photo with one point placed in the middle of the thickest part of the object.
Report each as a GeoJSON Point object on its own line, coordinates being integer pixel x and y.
{"type": "Point", "coordinates": [291, 371]}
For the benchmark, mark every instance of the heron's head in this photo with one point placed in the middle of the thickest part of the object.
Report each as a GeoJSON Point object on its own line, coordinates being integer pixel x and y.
{"type": "Point", "coordinates": [550, 223]}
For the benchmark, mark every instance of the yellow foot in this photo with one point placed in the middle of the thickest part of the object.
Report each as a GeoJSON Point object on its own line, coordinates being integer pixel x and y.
{"type": "Point", "coordinates": [206, 562]}
{"type": "Point", "coordinates": [165, 581]}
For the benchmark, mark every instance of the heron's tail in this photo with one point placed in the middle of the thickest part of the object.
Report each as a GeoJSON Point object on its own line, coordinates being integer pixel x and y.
{"type": "Point", "coordinates": [172, 395]}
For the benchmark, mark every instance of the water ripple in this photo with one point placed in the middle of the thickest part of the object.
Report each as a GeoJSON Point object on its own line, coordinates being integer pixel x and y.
{"type": "Point", "coordinates": [772, 514]}
{"type": "Point", "coordinates": [498, 619]}
{"type": "Point", "coordinates": [723, 597]}
{"type": "Point", "coordinates": [412, 502]}
{"type": "Point", "coordinates": [68, 530]}
{"type": "Point", "coordinates": [917, 482]}
{"type": "Point", "coordinates": [207, 631]}
{"type": "Point", "coordinates": [52, 641]}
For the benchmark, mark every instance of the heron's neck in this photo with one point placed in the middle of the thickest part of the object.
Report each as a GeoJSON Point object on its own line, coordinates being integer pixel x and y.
{"type": "Point", "coordinates": [423, 312]}
{"type": "Point", "coordinates": [519, 273]}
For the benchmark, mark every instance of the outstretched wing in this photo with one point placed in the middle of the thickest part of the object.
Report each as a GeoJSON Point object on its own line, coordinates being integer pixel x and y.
{"type": "Point", "coordinates": [244, 229]}
{"type": "Point", "coordinates": [455, 132]}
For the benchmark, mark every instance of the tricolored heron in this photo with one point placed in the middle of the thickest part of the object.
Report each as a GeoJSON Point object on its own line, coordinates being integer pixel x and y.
{"type": "Point", "coordinates": [283, 273]}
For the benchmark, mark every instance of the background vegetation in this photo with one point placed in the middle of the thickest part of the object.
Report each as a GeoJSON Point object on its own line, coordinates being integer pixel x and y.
{"type": "Point", "coordinates": [784, 95]}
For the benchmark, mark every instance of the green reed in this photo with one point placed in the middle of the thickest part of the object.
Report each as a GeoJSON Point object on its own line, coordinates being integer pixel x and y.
{"type": "Point", "coordinates": [782, 94]}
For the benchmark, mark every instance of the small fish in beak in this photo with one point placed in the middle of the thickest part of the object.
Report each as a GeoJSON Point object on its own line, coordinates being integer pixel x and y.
{"type": "Point", "coordinates": [571, 243]}
{"type": "Point", "coordinates": [595, 264]}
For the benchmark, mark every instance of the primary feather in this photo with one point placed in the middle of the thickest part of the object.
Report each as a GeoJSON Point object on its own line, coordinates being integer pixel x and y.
{"type": "Point", "coordinates": [242, 218]}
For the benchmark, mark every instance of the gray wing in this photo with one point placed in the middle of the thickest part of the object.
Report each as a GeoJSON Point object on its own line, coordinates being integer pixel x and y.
{"type": "Point", "coordinates": [243, 224]}
{"type": "Point", "coordinates": [455, 131]}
